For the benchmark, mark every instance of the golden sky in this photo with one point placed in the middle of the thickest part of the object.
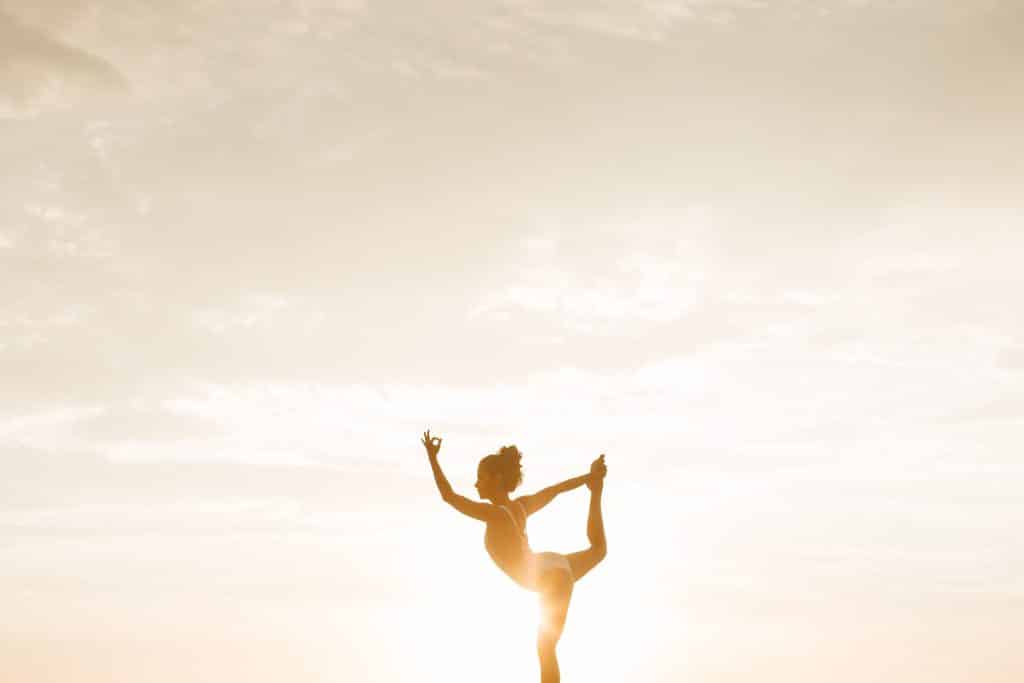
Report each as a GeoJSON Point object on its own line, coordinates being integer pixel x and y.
{"type": "Point", "coordinates": [764, 254]}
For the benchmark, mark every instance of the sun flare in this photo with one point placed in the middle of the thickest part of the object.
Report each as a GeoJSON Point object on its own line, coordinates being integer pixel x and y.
{"type": "Point", "coordinates": [468, 627]}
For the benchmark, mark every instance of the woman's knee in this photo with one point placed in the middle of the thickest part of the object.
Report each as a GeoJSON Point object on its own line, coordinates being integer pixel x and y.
{"type": "Point", "coordinates": [553, 624]}
{"type": "Point", "coordinates": [547, 638]}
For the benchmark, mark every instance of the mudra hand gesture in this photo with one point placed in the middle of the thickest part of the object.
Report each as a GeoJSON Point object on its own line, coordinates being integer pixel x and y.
{"type": "Point", "coordinates": [597, 471]}
{"type": "Point", "coordinates": [432, 444]}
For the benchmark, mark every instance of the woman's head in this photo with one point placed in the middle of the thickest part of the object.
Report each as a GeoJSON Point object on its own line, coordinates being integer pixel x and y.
{"type": "Point", "coordinates": [498, 474]}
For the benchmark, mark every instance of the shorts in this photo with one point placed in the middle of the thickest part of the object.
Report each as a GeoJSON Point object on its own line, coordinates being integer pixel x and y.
{"type": "Point", "coordinates": [546, 562]}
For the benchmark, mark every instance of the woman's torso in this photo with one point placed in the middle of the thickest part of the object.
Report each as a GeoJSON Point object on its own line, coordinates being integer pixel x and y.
{"type": "Point", "coordinates": [508, 545]}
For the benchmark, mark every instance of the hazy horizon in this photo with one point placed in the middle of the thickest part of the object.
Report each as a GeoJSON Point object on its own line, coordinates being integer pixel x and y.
{"type": "Point", "coordinates": [765, 255]}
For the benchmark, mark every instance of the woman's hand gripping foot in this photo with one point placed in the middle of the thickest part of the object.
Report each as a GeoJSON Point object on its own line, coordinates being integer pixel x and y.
{"type": "Point", "coordinates": [597, 471]}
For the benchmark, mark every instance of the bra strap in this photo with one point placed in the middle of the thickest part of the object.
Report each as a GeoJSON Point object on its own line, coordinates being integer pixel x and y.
{"type": "Point", "coordinates": [513, 518]}
{"type": "Point", "coordinates": [510, 516]}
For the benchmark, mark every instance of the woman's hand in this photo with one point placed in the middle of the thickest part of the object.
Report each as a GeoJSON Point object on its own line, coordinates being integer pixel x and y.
{"type": "Point", "coordinates": [432, 444]}
{"type": "Point", "coordinates": [597, 471]}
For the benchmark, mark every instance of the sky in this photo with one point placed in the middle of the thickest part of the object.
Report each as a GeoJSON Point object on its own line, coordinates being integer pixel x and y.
{"type": "Point", "coordinates": [763, 254]}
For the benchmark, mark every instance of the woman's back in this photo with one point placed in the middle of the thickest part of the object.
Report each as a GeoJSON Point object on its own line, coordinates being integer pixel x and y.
{"type": "Point", "coordinates": [507, 543]}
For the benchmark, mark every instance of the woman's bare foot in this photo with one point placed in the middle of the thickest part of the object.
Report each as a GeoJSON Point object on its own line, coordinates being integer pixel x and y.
{"type": "Point", "coordinates": [597, 471]}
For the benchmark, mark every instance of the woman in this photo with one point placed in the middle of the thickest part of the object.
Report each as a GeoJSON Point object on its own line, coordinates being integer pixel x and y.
{"type": "Point", "coordinates": [551, 575]}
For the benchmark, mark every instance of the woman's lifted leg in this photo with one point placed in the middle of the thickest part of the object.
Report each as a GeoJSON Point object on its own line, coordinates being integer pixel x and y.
{"type": "Point", "coordinates": [585, 560]}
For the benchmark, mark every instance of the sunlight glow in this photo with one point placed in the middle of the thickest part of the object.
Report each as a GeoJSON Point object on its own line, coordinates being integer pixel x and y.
{"type": "Point", "coordinates": [477, 626]}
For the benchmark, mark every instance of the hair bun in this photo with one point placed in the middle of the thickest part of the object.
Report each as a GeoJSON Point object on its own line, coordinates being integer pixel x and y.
{"type": "Point", "coordinates": [511, 469]}
{"type": "Point", "coordinates": [510, 452]}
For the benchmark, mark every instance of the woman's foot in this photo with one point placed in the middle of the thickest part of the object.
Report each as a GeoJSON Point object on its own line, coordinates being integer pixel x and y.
{"type": "Point", "coordinates": [597, 471]}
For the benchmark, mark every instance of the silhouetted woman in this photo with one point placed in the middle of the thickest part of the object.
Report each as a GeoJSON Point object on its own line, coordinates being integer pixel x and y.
{"type": "Point", "coordinates": [551, 575]}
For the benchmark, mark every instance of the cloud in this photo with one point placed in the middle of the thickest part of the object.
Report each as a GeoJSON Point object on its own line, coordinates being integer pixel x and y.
{"type": "Point", "coordinates": [39, 72]}
{"type": "Point", "coordinates": [254, 310]}
{"type": "Point", "coordinates": [142, 422]}
{"type": "Point", "coordinates": [761, 390]}
{"type": "Point", "coordinates": [611, 290]}
{"type": "Point", "coordinates": [643, 21]}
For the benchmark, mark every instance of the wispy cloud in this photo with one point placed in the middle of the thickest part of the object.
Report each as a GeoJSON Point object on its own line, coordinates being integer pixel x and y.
{"type": "Point", "coordinates": [38, 71]}
{"type": "Point", "coordinates": [607, 295]}
{"type": "Point", "coordinates": [645, 21]}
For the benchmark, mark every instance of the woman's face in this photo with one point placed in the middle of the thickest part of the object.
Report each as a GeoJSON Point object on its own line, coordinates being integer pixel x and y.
{"type": "Point", "coordinates": [485, 483]}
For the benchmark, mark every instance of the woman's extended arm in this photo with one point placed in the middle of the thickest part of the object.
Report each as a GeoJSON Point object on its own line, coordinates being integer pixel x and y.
{"type": "Point", "coordinates": [433, 445]}
{"type": "Point", "coordinates": [536, 501]}
{"type": "Point", "coordinates": [481, 511]}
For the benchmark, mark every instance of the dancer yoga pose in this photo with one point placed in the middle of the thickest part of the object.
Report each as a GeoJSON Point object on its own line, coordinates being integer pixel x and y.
{"type": "Point", "coordinates": [550, 575]}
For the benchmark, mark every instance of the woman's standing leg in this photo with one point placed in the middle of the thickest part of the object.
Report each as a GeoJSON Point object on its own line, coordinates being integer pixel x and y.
{"type": "Point", "coordinates": [556, 590]}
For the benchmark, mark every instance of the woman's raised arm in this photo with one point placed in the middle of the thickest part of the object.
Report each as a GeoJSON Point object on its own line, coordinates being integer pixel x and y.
{"type": "Point", "coordinates": [471, 508]}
